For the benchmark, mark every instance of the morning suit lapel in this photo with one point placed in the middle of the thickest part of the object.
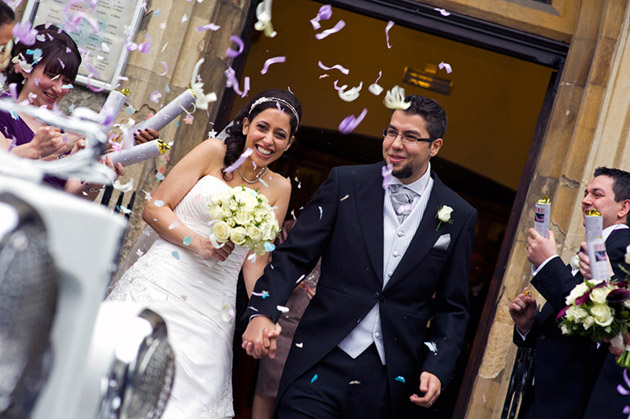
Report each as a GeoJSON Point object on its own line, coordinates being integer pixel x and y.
{"type": "Point", "coordinates": [425, 236]}
{"type": "Point", "coordinates": [369, 205]}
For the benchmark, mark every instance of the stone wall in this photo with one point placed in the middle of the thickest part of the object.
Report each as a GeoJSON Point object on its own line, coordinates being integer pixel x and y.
{"type": "Point", "coordinates": [588, 128]}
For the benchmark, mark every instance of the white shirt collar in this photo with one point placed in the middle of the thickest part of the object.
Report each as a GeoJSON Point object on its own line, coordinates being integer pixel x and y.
{"type": "Point", "coordinates": [419, 185]}
{"type": "Point", "coordinates": [606, 232]}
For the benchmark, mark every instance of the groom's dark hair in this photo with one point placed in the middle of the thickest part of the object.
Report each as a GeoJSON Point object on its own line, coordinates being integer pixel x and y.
{"type": "Point", "coordinates": [432, 112]}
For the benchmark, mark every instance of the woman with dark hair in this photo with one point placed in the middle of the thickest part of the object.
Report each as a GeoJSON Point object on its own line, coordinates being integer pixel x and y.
{"type": "Point", "coordinates": [179, 277]}
{"type": "Point", "coordinates": [43, 74]}
{"type": "Point", "coordinates": [7, 18]}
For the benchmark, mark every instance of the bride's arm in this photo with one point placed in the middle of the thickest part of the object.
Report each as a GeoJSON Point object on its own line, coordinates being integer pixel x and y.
{"type": "Point", "coordinates": [159, 214]}
{"type": "Point", "coordinates": [254, 270]}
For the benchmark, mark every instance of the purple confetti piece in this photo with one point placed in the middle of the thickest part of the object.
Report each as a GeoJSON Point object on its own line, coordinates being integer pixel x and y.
{"type": "Point", "coordinates": [443, 12]}
{"type": "Point", "coordinates": [349, 123]}
{"type": "Point", "coordinates": [165, 68]}
{"type": "Point", "coordinates": [209, 26]}
{"type": "Point", "coordinates": [24, 33]}
{"type": "Point", "coordinates": [445, 66]}
{"type": "Point", "coordinates": [335, 67]}
{"type": "Point", "coordinates": [324, 13]}
{"type": "Point", "coordinates": [323, 34]}
{"type": "Point", "coordinates": [89, 84]}
{"type": "Point", "coordinates": [386, 172]}
{"type": "Point", "coordinates": [387, 28]}
{"type": "Point", "coordinates": [239, 161]}
{"type": "Point", "coordinates": [155, 96]}
{"type": "Point", "coordinates": [274, 60]}
{"type": "Point", "coordinates": [239, 43]}
{"type": "Point", "coordinates": [146, 45]}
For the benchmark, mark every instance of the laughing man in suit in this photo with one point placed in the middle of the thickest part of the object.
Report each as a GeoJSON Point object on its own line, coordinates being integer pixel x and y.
{"type": "Point", "coordinates": [359, 350]}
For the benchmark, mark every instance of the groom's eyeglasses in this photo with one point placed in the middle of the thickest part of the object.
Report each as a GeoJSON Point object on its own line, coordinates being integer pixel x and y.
{"type": "Point", "coordinates": [392, 134]}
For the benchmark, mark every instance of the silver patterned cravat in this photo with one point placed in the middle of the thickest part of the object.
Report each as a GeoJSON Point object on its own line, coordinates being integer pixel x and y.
{"type": "Point", "coordinates": [402, 200]}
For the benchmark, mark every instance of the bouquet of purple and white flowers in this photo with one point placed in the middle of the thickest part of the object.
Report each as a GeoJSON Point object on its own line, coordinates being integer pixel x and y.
{"type": "Point", "coordinates": [599, 310]}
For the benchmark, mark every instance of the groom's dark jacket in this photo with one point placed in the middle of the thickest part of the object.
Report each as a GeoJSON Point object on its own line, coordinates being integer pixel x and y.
{"type": "Point", "coordinates": [344, 225]}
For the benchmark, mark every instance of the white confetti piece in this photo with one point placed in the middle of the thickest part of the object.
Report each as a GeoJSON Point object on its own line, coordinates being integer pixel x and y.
{"type": "Point", "coordinates": [432, 347]}
{"type": "Point", "coordinates": [299, 279]}
{"type": "Point", "coordinates": [344, 198]}
{"type": "Point", "coordinates": [445, 66]}
{"type": "Point", "coordinates": [282, 309]}
{"type": "Point", "coordinates": [299, 345]}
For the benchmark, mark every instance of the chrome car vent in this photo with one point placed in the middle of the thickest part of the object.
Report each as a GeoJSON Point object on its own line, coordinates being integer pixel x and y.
{"type": "Point", "coordinates": [28, 296]}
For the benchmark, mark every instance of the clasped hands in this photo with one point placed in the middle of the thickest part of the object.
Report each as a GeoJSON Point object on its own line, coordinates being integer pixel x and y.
{"type": "Point", "coordinates": [259, 339]}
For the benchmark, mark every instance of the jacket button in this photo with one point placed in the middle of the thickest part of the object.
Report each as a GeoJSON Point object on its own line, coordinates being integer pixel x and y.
{"type": "Point", "coordinates": [377, 294]}
{"type": "Point", "coordinates": [542, 337]}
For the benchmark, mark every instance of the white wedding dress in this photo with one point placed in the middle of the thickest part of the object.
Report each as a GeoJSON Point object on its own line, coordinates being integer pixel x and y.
{"type": "Point", "coordinates": [196, 298]}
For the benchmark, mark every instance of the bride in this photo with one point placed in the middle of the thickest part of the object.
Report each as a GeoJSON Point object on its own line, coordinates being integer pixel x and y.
{"type": "Point", "coordinates": [188, 281]}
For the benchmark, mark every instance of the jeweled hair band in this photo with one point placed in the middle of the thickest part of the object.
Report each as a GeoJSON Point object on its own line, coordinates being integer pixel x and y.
{"type": "Point", "coordinates": [275, 99]}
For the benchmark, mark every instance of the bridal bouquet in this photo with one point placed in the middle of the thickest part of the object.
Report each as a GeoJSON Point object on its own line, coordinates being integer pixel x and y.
{"type": "Point", "coordinates": [243, 216]}
{"type": "Point", "coordinates": [599, 310]}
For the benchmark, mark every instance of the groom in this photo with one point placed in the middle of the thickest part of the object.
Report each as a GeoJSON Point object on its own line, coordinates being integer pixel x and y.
{"type": "Point", "coordinates": [389, 266]}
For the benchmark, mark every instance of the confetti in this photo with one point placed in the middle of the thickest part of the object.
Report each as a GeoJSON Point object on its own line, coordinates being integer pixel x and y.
{"type": "Point", "coordinates": [159, 176]}
{"type": "Point", "coordinates": [173, 225]}
{"type": "Point", "coordinates": [300, 278]}
{"type": "Point", "coordinates": [386, 172]}
{"type": "Point", "coordinates": [187, 241]}
{"type": "Point", "coordinates": [146, 45]}
{"type": "Point", "coordinates": [282, 309]}
{"type": "Point", "coordinates": [344, 198]}
{"type": "Point", "coordinates": [238, 161]}
{"type": "Point", "coordinates": [155, 96]}
{"type": "Point", "coordinates": [335, 67]}
{"type": "Point", "coordinates": [354, 382]}
{"type": "Point", "coordinates": [432, 347]}
{"type": "Point", "coordinates": [139, 252]}
{"type": "Point", "coordinates": [158, 203]}
{"type": "Point", "coordinates": [123, 209]}
{"type": "Point", "coordinates": [443, 12]}
{"type": "Point", "coordinates": [350, 94]}
{"type": "Point", "coordinates": [321, 212]}
{"type": "Point", "coordinates": [239, 43]}
{"type": "Point", "coordinates": [349, 123]}
{"type": "Point", "coordinates": [147, 195]}
{"type": "Point", "coordinates": [375, 88]}
{"type": "Point", "coordinates": [130, 110]}
{"type": "Point", "coordinates": [206, 27]}
{"type": "Point", "coordinates": [188, 120]}
{"type": "Point", "coordinates": [400, 379]}
{"type": "Point", "coordinates": [387, 28]}
{"type": "Point", "coordinates": [323, 34]}
{"type": "Point", "coordinates": [274, 60]}
{"type": "Point", "coordinates": [445, 66]}
{"type": "Point", "coordinates": [395, 99]}
{"type": "Point", "coordinates": [263, 14]}
{"type": "Point", "coordinates": [184, 18]}
{"type": "Point", "coordinates": [324, 13]}
{"type": "Point", "coordinates": [269, 247]}
{"type": "Point", "coordinates": [314, 378]}
{"type": "Point", "coordinates": [299, 345]}
{"type": "Point", "coordinates": [165, 68]}
{"type": "Point", "coordinates": [264, 294]}
{"type": "Point", "coordinates": [123, 188]}
{"type": "Point", "coordinates": [175, 254]}
{"type": "Point", "coordinates": [252, 258]}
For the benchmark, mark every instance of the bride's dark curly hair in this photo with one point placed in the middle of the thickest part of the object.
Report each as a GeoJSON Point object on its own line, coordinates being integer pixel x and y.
{"type": "Point", "coordinates": [235, 142]}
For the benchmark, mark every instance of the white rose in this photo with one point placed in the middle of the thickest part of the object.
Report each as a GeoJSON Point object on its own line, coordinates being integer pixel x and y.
{"type": "Point", "coordinates": [254, 233]}
{"type": "Point", "coordinates": [238, 235]}
{"type": "Point", "coordinates": [627, 257]}
{"type": "Point", "coordinates": [598, 295]}
{"type": "Point", "coordinates": [626, 303]}
{"type": "Point", "coordinates": [243, 217]}
{"type": "Point", "coordinates": [578, 291]}
{"type": "Point", "coordinates": [230, 221]}
{"type": "Point", "coordinates": [216, 213]}
{"type": "Point", "coordinates": [232, 205]}
{"type": "Point", "coordinates": [221, 231]}
{"type": "Point", "coordinates": [249, 200]}
{"type": "Point", "coordinates": [444, 214]}
{"type": "Point", "coordinates": [260, 214]}
{"type": "Point", "coordinates": [576, 313]}
{"type": "Point", "coordinates": [602, 314]}
{"type": "Point", "coordinates": [588, 322]}
{"type": "Point", "coordinates": [565, 330]}
{"type": "Point", "coordinates": [575, 262]}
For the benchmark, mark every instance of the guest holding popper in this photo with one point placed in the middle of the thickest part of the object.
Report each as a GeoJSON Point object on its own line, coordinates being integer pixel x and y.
{"type": "Point", "coordinates": [567, 367]}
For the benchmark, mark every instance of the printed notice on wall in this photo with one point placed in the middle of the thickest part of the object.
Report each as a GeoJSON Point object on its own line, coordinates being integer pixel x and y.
{"type": "Point", "coordinates": [117, 21]}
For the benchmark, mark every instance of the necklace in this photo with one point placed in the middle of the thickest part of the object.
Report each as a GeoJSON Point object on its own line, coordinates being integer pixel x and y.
{"type": "Point", "coordinates": [256, 179]}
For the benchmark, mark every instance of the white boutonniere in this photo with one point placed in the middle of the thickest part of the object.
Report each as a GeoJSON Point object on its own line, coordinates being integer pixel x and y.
{"type": "Point", "coordinates": [444, 216]}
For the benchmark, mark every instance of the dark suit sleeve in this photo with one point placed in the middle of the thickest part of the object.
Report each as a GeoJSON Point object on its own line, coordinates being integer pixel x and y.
{"type": "Point", "coordinates": [616, 248]}
{"type": "Point", "coordinates": [297, 256]}
{"type": "Point", "coordinates": [450, 315]}
{"type": "Point", "coordinates": [554, 282]}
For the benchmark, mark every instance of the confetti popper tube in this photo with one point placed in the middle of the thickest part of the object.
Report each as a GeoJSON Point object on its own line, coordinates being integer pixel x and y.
{"type": "Point", "coordinates": [168, 113]}
{"type": "Point", "coordinates": [115, 101]}
{"type": "Point", "coordinates": [139, 152]}
{"type": "Point", "coordinates": [542, 214]}
{"type": "Point", "coordinates": [593, 225]}
{"type": "Point", "coordinates": [598, 259]}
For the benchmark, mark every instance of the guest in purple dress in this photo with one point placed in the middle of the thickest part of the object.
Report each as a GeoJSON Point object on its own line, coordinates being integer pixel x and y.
{"type": "Point", "coordinates": [43, 74]}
